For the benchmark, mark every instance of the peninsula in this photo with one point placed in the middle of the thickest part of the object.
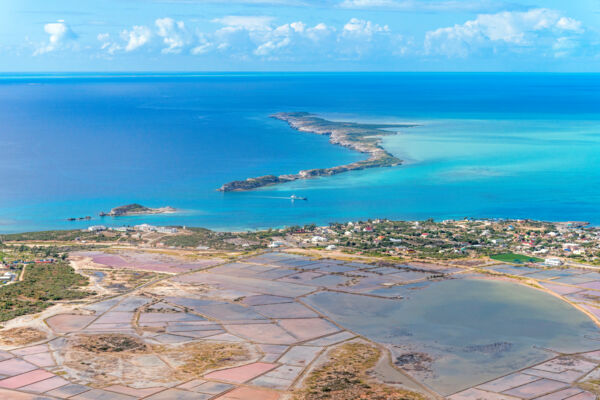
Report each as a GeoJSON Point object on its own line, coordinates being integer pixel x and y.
{"type": "Point", "coordinates": [364, 138]}
{"type": "Point", "coordinates": [136, 209]}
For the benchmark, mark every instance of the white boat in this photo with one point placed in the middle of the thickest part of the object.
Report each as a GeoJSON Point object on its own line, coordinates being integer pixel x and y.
{"type": "Point", "coordinates": [294, 197]}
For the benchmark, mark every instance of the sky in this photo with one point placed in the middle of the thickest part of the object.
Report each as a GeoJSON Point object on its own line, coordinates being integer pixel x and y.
{"type": "Point", "coordinates": [299, 35]}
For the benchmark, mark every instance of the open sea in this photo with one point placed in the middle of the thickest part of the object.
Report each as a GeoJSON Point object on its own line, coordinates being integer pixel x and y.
{"type": "Point", "coordinates": [487, 145]}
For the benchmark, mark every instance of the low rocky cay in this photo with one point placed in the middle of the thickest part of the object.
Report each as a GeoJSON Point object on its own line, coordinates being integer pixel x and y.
{"type": "Point", "coordinates": [136, 209]}
{"type": "Point", "coordinates": [364, 138]}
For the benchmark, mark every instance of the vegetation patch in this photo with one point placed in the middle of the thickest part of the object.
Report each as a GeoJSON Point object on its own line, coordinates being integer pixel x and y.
{"type": "Point", "coordinates": [71, 235]}
{"type": "Point", "coordinates": [21, 336]}
{"type": "Point", "coordinates": [42, 285]}
{"type": "Point", "coordinates": [111, 359]}
{"type": "Point", "coordinates": [344, 377]}
{"type": "Point", "coordinates": [122, 280]}
{"type": "Point", "coordinates": [109, 343]}
{"type": "Point", "coordinates": [591, 385]}
{"type": "Point", "coordinates": [515, 258]}
{"type": "Point", "coordinates": [195, 359]}
{"type": "Point", "coordinates": [196, 237]}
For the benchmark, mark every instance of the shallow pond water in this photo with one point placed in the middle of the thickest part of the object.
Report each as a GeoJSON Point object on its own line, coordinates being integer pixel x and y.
{"type": "Point", "coordinates": [454, 334]}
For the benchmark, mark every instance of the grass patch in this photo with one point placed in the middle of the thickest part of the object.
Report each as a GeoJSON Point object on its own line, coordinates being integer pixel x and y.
{"type": "Point", "coordinates": [110, 343]}
{"type": "Point", "coordinates": [42, 285]}
{"type": "Point", "coordinates": [194, 359]}
{"type": "Point", "coordinates": [21, 336]}
{"type": "Point", "coordinates": [515, 258]}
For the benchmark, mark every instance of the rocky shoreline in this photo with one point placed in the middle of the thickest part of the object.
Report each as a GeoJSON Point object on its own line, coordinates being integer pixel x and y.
{"type": "Point", "coordinates": [364, 138]}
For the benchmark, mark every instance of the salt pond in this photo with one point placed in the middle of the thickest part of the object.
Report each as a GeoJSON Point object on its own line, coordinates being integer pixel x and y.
{"type": "Point", "coordinates": [462, 332]}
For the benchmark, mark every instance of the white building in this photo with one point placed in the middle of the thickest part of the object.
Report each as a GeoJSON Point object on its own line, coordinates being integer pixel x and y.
{"type": "Point", "coordinates": [553, 262]}
{"type": "Point", "coordinates": [7, 276]}
{"type": "Point", "coordinates": [166, 229]}
{"type": "Point", "coordinates": [145, 228]}
{"type": "Point", "coordinates": [96, 228]}
{"type": "Point", "coordinates": [318, 239]}
{"type": "Point", "coordinates": [276, 243]}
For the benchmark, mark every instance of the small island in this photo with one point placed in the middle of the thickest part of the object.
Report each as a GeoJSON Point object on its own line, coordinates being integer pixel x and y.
{"type": "Point", "coordinates": [136, 209]}
{"type": "Point", "coordinates": [364, 138]}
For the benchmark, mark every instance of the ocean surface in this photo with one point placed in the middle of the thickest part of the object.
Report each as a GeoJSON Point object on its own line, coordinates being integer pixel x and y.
{"type": "Point", "coordinates": [487, 145]}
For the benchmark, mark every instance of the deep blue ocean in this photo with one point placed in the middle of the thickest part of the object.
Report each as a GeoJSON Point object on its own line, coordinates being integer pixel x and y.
{"type": "Point", "coordinates": [487, 145]}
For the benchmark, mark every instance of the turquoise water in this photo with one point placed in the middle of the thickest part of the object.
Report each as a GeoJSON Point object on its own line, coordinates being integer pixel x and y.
{"type": "Point", "coordinates": [488, 145]}
{"type": "Point", "coordinates": [473, 330]}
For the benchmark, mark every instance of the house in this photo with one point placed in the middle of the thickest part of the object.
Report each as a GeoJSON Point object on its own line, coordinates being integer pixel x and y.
{"type": "Point", "coordinates": [96, 228]}
{"type": "Point", "coordinates": [276, 243]}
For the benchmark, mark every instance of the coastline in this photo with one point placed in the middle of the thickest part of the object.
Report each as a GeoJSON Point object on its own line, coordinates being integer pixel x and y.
{"type": "Point", "coordinates": [363, 138]}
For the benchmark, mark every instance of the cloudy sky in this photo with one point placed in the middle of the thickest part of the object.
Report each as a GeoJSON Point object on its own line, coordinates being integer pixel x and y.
{"type": "Point", "coordinates": [299, 35]}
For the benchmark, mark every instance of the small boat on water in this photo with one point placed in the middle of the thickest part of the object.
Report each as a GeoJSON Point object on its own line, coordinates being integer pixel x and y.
{"type": "Point", "coordinates": [294, 197]}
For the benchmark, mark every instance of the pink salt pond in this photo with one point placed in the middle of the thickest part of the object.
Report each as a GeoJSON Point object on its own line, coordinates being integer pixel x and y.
{"type": "Point", "coordinates": [45, 385]}
{"type": "Point", "coordinates": [65, 323]}
{"type": "Point", "coordinates": [249, 393]}
{"type": "Point", "coordinates": [132, 391]}
{"type": "Point", "coordinates": [241, 374]}
{"type": "Point", "coordinates": [536, 389]}
{"type": "Point", "coordinates": [14, 366]}
{"type": "Point", "coordinates": [40, 359]}
{"type": "Point", "coordinates": [477, 394]}
{"type": "Point", "coordinates": [308, 328]}
{"type": "Point", "coordinates": [25, 379]}
{"type": "Point", "coordinates": [262, 333]}
{"type": "Point", "coordinates": [285, 310]}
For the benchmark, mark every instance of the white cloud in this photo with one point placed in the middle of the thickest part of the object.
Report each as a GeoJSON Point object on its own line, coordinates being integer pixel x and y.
{"type": "Point", "coordinates": [129, 40]}
{"type": "Point", "coordinates": [247, 37]}
{"type": "Point", "coordinates": [564, 46]}
{"type": "Point", "coordinates": [105, 39]}
{"type": "Point", "coordinates": [173, 34]}
{"type": "Point", "coordinates": [319, 32]}
{"type": "Point", "coordinates": [368, 3]}
{"type": "Point", "coordinates": [360, 27]}
{"type": "Point", "coordinates": [359, 38]}
{"type": "Point", "coordinates": [59, 33]}
{"type": "Point", "coordinates": [515, 29]}
{"type": "Point", "coordinates": [249, 23]}
{"type": "Point", "coordinates": [569, 24]}
{"type": "Point", "coordinates": [271, 46]}
{"type": "Point", "coordinates": [435, 6]}
{"type": "Point", "coordinates": [136, 37]}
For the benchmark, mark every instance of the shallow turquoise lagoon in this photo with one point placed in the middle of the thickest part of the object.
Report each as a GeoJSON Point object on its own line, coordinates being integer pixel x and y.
{"type": "Point", "coordinates": [473, 330]}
